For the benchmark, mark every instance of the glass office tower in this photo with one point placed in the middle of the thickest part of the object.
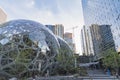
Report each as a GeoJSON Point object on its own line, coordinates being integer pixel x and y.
{"type": "Point", "coordinates": [103, 12]}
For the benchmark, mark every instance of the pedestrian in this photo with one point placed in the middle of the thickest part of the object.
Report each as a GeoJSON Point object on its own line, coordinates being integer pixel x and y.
{"type": "Point", "coordinates": [47, 74]}
{"type": "Point", "coordinates": [108, 72]}
{"type": "Point", "coordinates": [117, 76]}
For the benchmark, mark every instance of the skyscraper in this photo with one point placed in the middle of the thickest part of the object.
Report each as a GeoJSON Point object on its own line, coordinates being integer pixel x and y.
{"type": "Point", "coordinates": [86, 43]}
{"type": "Point", "coordinates": [57, 29]}
{"type": "Point", "coordinates": [68, 37]}
{"type": "Point", "coordinates": [102, 39]}
{"type": "Point", "coordinates": [51, 27]}
{"type": "Point", "coordinates": [3, 16]}
{"type": "Point", "coordinates": [103, 12]}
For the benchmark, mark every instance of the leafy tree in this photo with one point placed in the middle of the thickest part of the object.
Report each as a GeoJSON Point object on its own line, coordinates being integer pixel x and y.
{"type": "Point", "coordinates": [111, 59]}
{"type": "Point", "coordinates": [66, 62]}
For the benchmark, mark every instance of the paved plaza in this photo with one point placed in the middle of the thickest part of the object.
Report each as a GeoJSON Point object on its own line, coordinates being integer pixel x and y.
{"type": "Point", "coordinates": [99, 75]}
{"type": "Point", "coordinates": [92, 75]}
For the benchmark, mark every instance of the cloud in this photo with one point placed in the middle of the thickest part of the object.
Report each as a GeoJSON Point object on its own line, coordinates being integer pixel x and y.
{"type": "Point", "coordinates": [66, 12]}
{"type": "Point", "coordinates": [31, 3]}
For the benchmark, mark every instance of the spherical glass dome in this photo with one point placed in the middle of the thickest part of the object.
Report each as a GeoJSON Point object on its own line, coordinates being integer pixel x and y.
{"type": "Point", "coordinates": [26, 46]}
{"type": "Point", "coordinates": [64, 46]}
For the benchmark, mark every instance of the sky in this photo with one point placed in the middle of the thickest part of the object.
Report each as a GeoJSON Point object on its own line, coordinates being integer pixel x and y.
{"type": "Point", "coordinates": [66, 12]}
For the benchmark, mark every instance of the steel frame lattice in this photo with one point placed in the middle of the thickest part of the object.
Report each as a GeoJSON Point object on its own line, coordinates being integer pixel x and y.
{"type": "Point", "coordinates": [26, 46]}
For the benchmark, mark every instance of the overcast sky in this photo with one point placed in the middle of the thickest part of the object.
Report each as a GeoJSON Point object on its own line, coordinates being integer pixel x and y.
{"type": "Point", "coordinates": [66, 12]}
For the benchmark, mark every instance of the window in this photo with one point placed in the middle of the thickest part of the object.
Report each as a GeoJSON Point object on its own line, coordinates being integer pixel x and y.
{"type": "Point", "coordinates": [119, 34]}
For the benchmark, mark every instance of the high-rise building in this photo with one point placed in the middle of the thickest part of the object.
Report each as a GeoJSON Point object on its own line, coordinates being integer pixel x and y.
{"type": "Point", "coordinates": [103, 12]}
{"type": "Point", "coordinates": [69, 39]}
{"type": "Point", "coordinates": [51, 27]}
{"type": "Point", "coordinates": [3, 16]}
{"type": "Point", "coordinates": [102, 39]}
{"type": "Point", "coordinates": [57, 29]}
{"type": "Point", "coordinates": [86, 42]}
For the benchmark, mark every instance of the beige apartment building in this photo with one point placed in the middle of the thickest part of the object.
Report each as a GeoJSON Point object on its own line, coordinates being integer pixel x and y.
{"type": "Point", "coordinates": [68, 37]}
{"type": "Point", "coordinates": [3, 16]}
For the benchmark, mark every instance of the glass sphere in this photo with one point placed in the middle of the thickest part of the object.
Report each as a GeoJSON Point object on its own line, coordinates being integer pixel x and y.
{"type": "Point", "coordinates": [26, 46]}
{"type": "Point", "coordinates": [64, 46]}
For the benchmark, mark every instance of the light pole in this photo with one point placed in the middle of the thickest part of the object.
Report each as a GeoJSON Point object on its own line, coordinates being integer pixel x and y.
{"type": "Point", "coordinates": [73, 35]}
{"type": "Point", "coordinates": [75, 62]}
{"type": "Point", "coordinates": [116, 63]}
{"type": "Point", "coordinates": [74, 43]}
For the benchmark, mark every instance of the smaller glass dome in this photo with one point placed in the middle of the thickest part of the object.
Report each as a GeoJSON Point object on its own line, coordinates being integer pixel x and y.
{"type": "Point", "coordinates": [64, 46]}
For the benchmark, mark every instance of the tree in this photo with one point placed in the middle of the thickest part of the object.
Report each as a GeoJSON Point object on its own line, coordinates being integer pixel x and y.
{"type": "Point", "coordinates": [66, 62]}
{"type": "Point", "coordinates": [111, 59]}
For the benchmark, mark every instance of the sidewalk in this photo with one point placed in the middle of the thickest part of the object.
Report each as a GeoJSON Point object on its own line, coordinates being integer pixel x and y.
{"type": "Point", "coordinates": [99, 75]}
{"type": "Point", "coordinates": [96, 72]}
{"type": "Point", "coordinates": [92, 75]}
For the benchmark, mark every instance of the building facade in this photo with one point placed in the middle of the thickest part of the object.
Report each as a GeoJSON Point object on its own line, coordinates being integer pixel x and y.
{"type": "Point", "coordinates": [102, 39]}
{"type": "Point", "coordinates": [57, 29]}
{"type": "Point", "coordinates": [51, 27]}
{"type": "Point", "coordinates": [3, 16]}
{"type": "Point", "coordinates": [86, 42]}
{"type": "Point", "coordinates": [68, 37]}
{"type": "Point", "coordinates": [103, 12]}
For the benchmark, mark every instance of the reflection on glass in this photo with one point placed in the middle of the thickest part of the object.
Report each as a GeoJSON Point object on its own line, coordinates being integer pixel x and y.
{"type": "Point", "coordinates": [4, 41]}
